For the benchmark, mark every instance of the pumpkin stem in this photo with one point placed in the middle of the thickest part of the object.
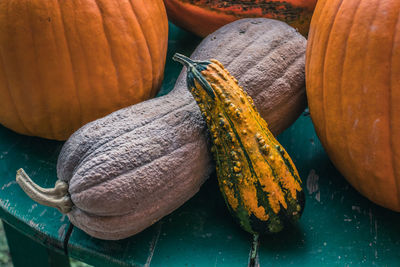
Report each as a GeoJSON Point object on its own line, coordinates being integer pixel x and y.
{"type": "Point", "coordinates": [56, 197]}
{"type": "Point", "coordinates": [254, 250]}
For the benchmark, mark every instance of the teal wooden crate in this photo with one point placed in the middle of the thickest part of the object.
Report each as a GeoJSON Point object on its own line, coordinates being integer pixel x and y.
{"type": "Point", "coordinates": [338, 227]}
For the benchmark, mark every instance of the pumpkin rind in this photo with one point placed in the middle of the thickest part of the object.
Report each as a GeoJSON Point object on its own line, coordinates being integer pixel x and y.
{"type": "Point", "coordinates": [353, 90]}
{"type": "Point", "coordinates": [202, 17]}
{"type": "Point", "coordinates": [65, 63]}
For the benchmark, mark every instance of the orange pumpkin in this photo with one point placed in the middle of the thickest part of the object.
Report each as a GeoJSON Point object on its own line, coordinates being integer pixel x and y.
{"type": "Point", "coordinates": [203, 17]}
{"type": "Point", "coordinates": [353, 89]}
{"type": "Point", "coordinates": [65, 63]}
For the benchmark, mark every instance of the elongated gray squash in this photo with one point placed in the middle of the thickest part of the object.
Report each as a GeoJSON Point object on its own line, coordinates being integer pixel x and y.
{"type": "Point", "coordinates": [129, 169]}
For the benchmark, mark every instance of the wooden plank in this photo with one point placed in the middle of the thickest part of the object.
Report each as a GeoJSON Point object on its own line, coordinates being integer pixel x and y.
{"type": "Point", "coordinates": [339, 227]}
{"type": "Point", "coordinates": [26, 252]}
{"type": "Point", "coordinates": [132, 251]}
{"type": "Point", "coordinates": [202, 233]}
{"type": "Point", "coordinates": [38, 157]}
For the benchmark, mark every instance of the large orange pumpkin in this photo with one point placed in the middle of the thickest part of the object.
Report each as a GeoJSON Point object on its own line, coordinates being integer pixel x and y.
{"type": "Point", "coordinates": [353, 89]}
{"type": "Point", "coordinates": [65, 63]}
{"type": "Point", "coordinates": [203, 17]}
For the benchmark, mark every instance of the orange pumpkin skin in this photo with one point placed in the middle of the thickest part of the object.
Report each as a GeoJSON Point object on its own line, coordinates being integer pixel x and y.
{"type": "Point", "coordinates": [65, 63]}
{"type": "Point", "coordinates": [203, 17]}
{"type": "Point", "coordinates": [353, 90]}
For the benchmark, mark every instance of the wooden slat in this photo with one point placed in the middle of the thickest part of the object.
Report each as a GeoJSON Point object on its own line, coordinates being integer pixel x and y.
{"type": "Point", "coordinates": [339, 227]}
{"type": "Point", "coordinates": [38, 157]}
{"type": "Point", "coordinates": [27, 252]}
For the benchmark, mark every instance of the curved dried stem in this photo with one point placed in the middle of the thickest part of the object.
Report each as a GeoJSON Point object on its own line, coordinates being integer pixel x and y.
{"type": "Point", "coordinates": [56, 197]}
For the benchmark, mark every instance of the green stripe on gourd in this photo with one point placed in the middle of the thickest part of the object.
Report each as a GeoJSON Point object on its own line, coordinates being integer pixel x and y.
{"type": "Point", "coordinates": [258, 180]}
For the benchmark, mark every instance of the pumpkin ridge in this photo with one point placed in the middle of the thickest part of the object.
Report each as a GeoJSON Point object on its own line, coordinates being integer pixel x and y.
{"type": "Point", "coordinates": [12, 97]}
{"type": "Point", "coordinates": [147, 46]}
{"type": "Point", "coordinates": [316, 20]}
{"type": "Point", "coordinates": [156, 53]}
{"type": "Point", "coordinates": [94, 92]}
{"type": "Point", "coordinates": [390, 103]}
{"type": "Point", "coordinates": [361, 84]}
{"type": "Point", "coordinates": [341, 75]}
{"type": "Point", "coordinates": [38, 81]}
{"type": "Point", "coordinates": [311, 33]}
{"type": "Point", "coordinates": [92, 153]}
{"type": "Point", "coordinates": [71, 62]}
{"type": "Point", "coordinates": [355, 182]}
{"type": "Point", "coordinates": [112, 53]}
{"type": "Point", "coordinates": [323, 94]}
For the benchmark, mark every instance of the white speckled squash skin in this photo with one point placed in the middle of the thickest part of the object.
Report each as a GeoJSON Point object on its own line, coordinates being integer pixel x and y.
{"type": "Point", "coordinates": [131, 168]}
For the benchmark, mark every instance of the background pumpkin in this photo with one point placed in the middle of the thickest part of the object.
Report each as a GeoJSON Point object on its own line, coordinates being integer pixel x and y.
{"type": "Point", "coordinates": [65, 63]}
{"type": "Point", "coordinates": [202, 17]}
{"type": "Point", "coordinates": [353, 90]}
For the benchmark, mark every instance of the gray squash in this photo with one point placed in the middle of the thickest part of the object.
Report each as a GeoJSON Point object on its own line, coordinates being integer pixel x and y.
{"type": "Point", "coordinates": [123, 172]}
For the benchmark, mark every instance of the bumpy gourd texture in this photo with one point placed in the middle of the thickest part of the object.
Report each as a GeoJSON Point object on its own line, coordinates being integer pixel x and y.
{"type": "Point", "coordinates": [256, 176]}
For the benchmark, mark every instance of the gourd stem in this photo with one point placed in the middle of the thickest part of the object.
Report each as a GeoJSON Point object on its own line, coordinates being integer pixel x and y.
{"type": "Point", "coordinates": [254, 250]}
{"type": "Point", "coordinates": [188, 62]}
{"type": "Point", "coordinates": [183, 59]}
{"type": "Point", "coordinates": [194, 68]}
{"type": "Point", "coordinates": [56, 197]}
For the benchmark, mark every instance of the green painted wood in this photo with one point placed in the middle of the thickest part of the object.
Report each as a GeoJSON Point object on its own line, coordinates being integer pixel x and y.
{"type": "Point", "coordinates": [202, 233]}
{"type": "Point", "coordinates": [133, 251]}
{"type": "Point", "coordinates": [38, 157]}
{"type": "Point", "coordinates": [339, 226]}
{"type": "Point", "coordinates": [26, 252]}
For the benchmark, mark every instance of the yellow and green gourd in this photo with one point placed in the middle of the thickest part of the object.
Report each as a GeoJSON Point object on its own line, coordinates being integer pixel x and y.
{"type": "Point", "coordinates": [256, 176]}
